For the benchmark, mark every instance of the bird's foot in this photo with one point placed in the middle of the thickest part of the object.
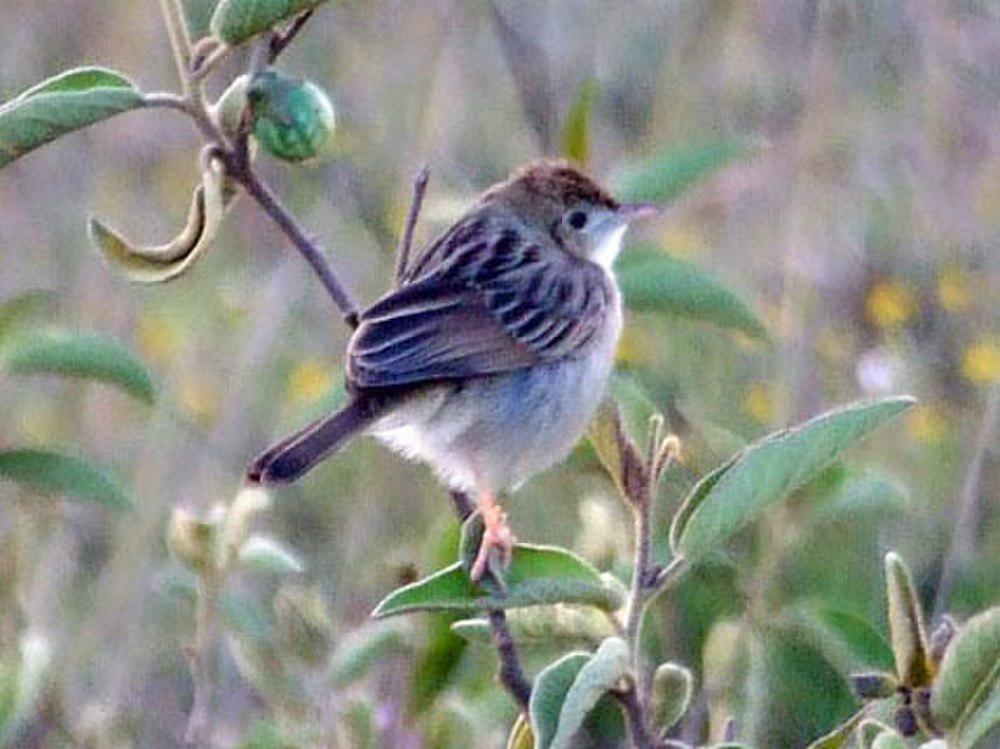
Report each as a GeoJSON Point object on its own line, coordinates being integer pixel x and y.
{"type": "Point", "coordinates": [497, 539]}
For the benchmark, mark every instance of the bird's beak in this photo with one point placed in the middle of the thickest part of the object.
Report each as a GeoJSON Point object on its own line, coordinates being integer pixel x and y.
{"type": "Point", "coordinates": [629, 212]}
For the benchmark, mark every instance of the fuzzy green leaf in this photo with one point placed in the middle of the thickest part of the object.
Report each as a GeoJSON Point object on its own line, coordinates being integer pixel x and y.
{"type": "Point", "coordinates": [69, 101]}
{"type": "Point", "coordinates": [907, 628]}
{"type": "Point", "coordinates": [767, 471]}
{"type": "Point", "coordinates": [235, 21]}
{"type": "Point", "coordinates": [560, 623]}
{"type": "Point", "coordinates": [651, 280]}
{"type": "Point", "coordinates": [599, 675]}
{"type": "Point", "coordinates": [672, 687]}
{"type": "Point", "coordinates": [846, 640]}
{"type": "Point", "coordinates": [549, 694]}
{"type": "Point", "coordinates": [889, 740]}
{"type": "Point", "coordinates": [537, 575]}
{"type": "Point", "coordinates": [576, 129]}
{"type": "Point", "coordinates": [665, 175]}
{"type": "Point", "coordinates": [363, 648]}
{"type": "Point", "coordinates": [966, 694]}
{"type": "Point", "coordinates": [264, 554]}
{"type": "Point", "coordinates": [840, 736]}
{"type": "Point", "coordinates": [86, 355]}
{"type": "Point", "coordinates": [48, 472]}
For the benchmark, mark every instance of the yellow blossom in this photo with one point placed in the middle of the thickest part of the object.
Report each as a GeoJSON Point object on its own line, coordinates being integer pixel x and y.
{"type": "Point", "coordinates": [927, 423]}
{"type": "Point", "coordinates": [890, 303]}
{"type": "Point", "coordinates": [309, 381]}
{"type": "Point", "coordinates": [758, 402]}
{"type": "Point", "coordinates": [981, 362]}
{"type": "Point", "coordinates": [954, 289]}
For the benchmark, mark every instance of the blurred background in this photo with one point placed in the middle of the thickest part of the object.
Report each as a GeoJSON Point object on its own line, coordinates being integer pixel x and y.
{"type": "Point", "coordinates": [862, 226]}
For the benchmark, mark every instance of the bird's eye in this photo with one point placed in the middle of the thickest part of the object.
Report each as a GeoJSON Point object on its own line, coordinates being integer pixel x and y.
{"type": "Point", "coordinates": [577, 219]}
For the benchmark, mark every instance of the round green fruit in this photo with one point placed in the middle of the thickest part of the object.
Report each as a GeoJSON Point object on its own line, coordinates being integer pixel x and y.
{"type": "Point", "coordinates": [292, 119]}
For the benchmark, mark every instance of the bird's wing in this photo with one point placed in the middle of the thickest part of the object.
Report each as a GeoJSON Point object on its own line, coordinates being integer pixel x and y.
{"type": "Point", "coordinates": [479, 311]}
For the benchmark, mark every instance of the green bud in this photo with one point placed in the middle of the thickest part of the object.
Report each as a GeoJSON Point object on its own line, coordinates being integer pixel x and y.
{"type": "Point", "coordinates": [228, 110]}
{"type": "Point", "coordinates": [672, 686]}
{"type": "Point", "coordinates": [293, 119]}
{"type": "Point", "coordinates": [192, 540]}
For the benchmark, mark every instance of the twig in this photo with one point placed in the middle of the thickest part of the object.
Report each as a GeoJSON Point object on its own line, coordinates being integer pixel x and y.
{"type": "Point", "coordinates": [281, 39]}
{"type": "Point", "coordinates": [406, 241]}
{"type": "Point", "coordinates": [180, 39]}
{"type": "Point", "coordinates": [964, 527]}
{"type": "Point", "coordinates": [200, 655]}
{"type": "Point", "coordinates": [637, 726]}
{"type": "Point", "coordinates": [511, 673]}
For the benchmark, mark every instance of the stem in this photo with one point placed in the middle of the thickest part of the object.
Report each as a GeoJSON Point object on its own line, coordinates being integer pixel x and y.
{"type": "Point", "coordinates": [403, 253]}
{"type": "Point", "coordinates": [640, 575]}
{"type": "Point", "coordinates": [310, 251]}
{"type": "Point", "coordinates": [206, 609]}
{"type": "Point", "coordinates": [180, 40]}
{"type": "Point", "coordinates": [638, 729]}
{"type": "Point", "coordinates": [280, 40]}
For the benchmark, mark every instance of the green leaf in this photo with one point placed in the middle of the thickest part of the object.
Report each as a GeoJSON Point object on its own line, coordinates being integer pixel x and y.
{"type": "Point", "coordinates": [537, 575]}
{"type": "Point", "coordinates": [889, 740]}
{"type": "Point", "coordinates": [576, 129]}
{"type": "Point", "coordinates": [17, 309]}
{"type": "Point", "coordinates": [765, 472]}
{"type": "Point", "coordinates": [264, 554]}
{"type": "Point", "coordinates": [840, 736]}
{"type": "Point", "coordinates": [53, 473]}
{"type": "Point", "coordinates": [549, 693]}
{"type": "Point", "coordinates": [69, 101]}
{"type": "Point", "coordinates": [599, 675]}
{"type": "Point", "coordinates": [846, 640]}
{"type": "Point", "coordinates": [651, 280]}
{"type": "Point", "coordinates": [235, 21]}
{"type": "Point", "coordinates": [665, 175]}
{"type": "Point", "coordinates": [164, 262]}
{"type": "Point", "coordinates": [907, 629]}
{"type": "Point", "coordinates": [86, 355]}
{"type": "Point", "coordinates": [672, 687]}
{"type": "Point", "coordinates": [576, 625]}
{"type": "Point", "coordinates": [363, 648]}
{"type": "Point", "coordinates": [966, 694]}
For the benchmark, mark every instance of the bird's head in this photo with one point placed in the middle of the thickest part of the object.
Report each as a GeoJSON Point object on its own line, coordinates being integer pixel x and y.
{"type": "Point", "coordinates": [560, 200]}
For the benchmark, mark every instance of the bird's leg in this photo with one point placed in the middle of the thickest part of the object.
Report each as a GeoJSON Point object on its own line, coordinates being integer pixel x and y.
{"type": "Point", "coordinates": [497, 535]}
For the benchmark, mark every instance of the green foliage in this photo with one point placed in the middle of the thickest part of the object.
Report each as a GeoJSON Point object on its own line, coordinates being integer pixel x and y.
{"type": "Point", "coordinates": [600, 674]}
{"type": "Point", "coordinates": [236, 21]}
{"type": "Point", "coordinates": [360, 650]}
{"type": "Point", "coordinates": [847, 641]}
{"type": "Point", "coordinates": [293, 119]}
{"type": "Point", "coordinates": [966, 693]}
{"type": "Point", "coordinates": [264, 554]}
{"type": "Point", "coordinates": [47, 472]}
{"type": "Point", "coordinates": [665, 175]}
{"type": "Point", "coordinates": [906, 625]}
{"type": "Point", "coordinates": [23, 308]}
{"type": "Point", "coordinates": [548, 694]}
{"type": "Point", "coordinates": [651, 280]}
{"type": "Point", "coordinates": [562, 624]}
{"type": "Point", "coordinates": [672, 689]}
{"type": "Point", "coordinates": [67, 102]}
{"type": "Point", "coordinates": [537, 575]}
{"type": "Point", "coordinates": [764, 473]}
{"type": "Point", "coordinates": [85, 355]}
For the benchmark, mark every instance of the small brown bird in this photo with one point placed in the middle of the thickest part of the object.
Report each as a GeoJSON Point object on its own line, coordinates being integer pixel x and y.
{"type": "Point", "coordinates": [491, 357]}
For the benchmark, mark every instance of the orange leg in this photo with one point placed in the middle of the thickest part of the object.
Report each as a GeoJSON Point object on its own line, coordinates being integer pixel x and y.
{"type": "Point", "coordinates": [496, 536]}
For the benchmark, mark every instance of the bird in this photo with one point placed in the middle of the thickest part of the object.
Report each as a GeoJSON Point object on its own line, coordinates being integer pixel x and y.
{"type": "Point", "coordinates": [491, 355]}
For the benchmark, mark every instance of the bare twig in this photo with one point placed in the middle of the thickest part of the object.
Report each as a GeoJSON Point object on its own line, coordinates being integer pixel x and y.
{"type": "Point", "coordinates": [966, 515]}
{"type": "Point", "coordinates": [406, 241]}
{"type": "Point", "coordinates": [281, 39]}
{"type": "Point", "coordinates": [180, 39]}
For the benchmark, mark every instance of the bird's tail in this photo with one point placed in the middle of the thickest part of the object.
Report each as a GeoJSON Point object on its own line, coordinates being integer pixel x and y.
{"type": "Point", "coordinates": [298, 453]}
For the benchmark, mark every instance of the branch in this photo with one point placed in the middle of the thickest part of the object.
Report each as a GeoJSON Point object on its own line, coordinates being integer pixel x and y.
{"type": "Point", "coordinates": [406, 241]}
{"type": "Point", "coordinates": [180, 39]}
{"type": "Point", "coordinates": [638, 729]}
{"type": "Point", "coordinates": [281, 39]}
{"type": "Point", "coordinates": [511, 673]}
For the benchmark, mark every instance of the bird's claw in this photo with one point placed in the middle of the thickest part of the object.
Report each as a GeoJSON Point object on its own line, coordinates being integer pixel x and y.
{"type": "Point", "coordinates": [497, 539]}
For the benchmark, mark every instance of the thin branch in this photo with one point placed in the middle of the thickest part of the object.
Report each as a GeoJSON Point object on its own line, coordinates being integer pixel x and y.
{"type": "Point", "coordinates": [180, 39]}
{"type": "Point", "coordinates": [966, 515]}
{"type": "Point", "coordinates": [203, 64]}
{"type": "Point", "coordinates": [289, 225]}
{"type": "Point", "coordinates": [281, 39]}
{"type": "Point", "coordinates": [201, 657]}
{"type": "Point", "coordinates": [638, 729]}
{"type": "Point", "coordinates": [406, 241]}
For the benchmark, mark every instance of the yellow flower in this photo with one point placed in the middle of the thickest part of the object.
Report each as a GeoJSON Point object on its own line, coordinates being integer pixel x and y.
{"type": "Point", "coordinates": [981, 362]}
{"type": "Point", "coordinates": [927, 423]}
{"type": "Point", "coordinates": [890, 303]}
{"type": "Point", "coordinates": [309, 381]}
{"type": "Point", "coordinates": [954, 289]}
{"type": "Point", "coordinates": [758, 402]}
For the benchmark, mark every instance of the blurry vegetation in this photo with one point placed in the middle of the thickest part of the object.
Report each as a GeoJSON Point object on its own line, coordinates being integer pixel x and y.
{"type": "Point", "coordinates": [832, 171]}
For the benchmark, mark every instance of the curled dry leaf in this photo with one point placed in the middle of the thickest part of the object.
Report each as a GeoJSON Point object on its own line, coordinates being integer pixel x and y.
{"type": "Point", "coordinates": [159, 263]}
